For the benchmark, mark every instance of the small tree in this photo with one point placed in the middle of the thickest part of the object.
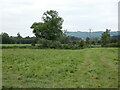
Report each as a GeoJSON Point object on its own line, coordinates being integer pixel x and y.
{"type": "Point", "coordinates": [105, 38]}
{"type": "Point", "coordinates": [87, 40]}
{"type": "Point", "coordinates": [81, 43]}
{"type": "Point", "coordinates": [19, 36]}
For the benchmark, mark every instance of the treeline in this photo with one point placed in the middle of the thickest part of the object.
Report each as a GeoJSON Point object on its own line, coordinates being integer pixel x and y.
{"type": "Point", "coordinates": [65, 41]}
{"type": "Point", "coordinates": [6, 39]}
{"type": "Point", "coordinates": [49, 34]}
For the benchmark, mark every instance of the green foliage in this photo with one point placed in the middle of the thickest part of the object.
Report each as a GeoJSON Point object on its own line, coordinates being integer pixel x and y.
{"type": "Point", "coordinates": [113, 45]}
{"type": "Point", "coordinates": [105, 38]}
{"type": "Point", "coordinates": [73, 38]}
{"type": "Point", "coordinates": [66, 46]}
{"type": "Point", "coordinates": [51, 27]}
{"type": "Point", "coordinates": [5, 38]}
{"type": "Point", "coordinates": [115, 39]}
{"type": "Point", "coordinates": [87, 40]}
{"type": "Point", "coordinates": [19, 36]}
{"type": "Point", "coordinates": [64, 39]}
{"type": "Point", "coordinates": [55, 44]}
{"type": "Point", "coordinates": [40, 29]}
{"type": "Point", "coordinates": [44, 43]}
{"type": "Point", "coordinates": [70, 46]}
{"type": "Point", "coordinates": [81, 43]}
{"type": "Point", "coordinates": [62, 44]}
{"type": "Point", "coordinates": [33, 44]}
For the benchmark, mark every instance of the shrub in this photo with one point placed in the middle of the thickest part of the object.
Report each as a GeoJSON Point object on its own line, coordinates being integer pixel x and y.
{"type": "Point", "coordinates": [43, 43]}
{"type": "Point", "coordinates": [81, 44]}
{"type": "Point", "coordinates": [55, 44]}
{"type": "Point", "coordinates": [70, 46]}
{"type": "Point", "coordinates": [33, 44]}
{"type": "Point", "coordinates": [112, 45]}
{"type": "Point", "coordinates": [75, 46]}
{"type": "Point", "coordinates": [66, 46]}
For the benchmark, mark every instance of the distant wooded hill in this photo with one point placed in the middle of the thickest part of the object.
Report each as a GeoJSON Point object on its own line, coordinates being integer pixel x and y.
{"type": "Point", "coordinates": [96, 34]}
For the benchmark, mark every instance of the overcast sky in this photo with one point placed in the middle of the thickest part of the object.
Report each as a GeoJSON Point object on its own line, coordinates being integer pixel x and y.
{"type": "Point", "coordinates": [79, 15]}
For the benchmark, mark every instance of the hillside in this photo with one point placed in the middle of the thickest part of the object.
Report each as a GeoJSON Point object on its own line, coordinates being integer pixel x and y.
{"type": "Point", "coordinates": [83, 35]}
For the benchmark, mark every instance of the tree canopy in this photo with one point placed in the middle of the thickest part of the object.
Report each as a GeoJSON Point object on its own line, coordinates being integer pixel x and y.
{"type": "Point", "coordinates": [51, 26]}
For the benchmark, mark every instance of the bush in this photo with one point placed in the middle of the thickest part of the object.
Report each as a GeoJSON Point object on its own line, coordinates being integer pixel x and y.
{"type": "Point", "coordinates": [43, 43]}
{"type": "Point", "coordinates": [112, 45]}
{"type": "Point", "coordinates": [66, 46]}
{"type": "Point", "coordinates": [55, 44]}
{"type": "Point", "coordinates": [81, 44]}
{"type": "Point", "coordinates": [33, 44]}
{"type": "Point", "coordinates": [75, 47]}
{"type": "Point", "coordinates": [70, 46]}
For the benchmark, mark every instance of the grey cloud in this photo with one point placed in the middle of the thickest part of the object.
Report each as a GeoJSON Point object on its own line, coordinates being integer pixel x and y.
{"type": "Point", "coordinates": [18, 15]}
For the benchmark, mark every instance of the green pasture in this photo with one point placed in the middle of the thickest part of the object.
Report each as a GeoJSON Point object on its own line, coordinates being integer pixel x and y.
{"type": "Point", "coordinates": [53, 68]}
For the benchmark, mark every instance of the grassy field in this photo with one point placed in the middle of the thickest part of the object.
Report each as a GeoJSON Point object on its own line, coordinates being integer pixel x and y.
{"type": "Point", "coordinates": [48, 68]}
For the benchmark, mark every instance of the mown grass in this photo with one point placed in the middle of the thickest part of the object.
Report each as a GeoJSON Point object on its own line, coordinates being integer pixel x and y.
{"type": "Point", "coordinates": [49, 68]}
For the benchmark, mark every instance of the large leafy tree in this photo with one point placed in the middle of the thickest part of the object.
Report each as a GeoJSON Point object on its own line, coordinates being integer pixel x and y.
{"type": "Point", "coordinates": [51, 26]}
{"type": "Point", "coordinates": [105, 38]}
{"type": "Point", "coordinates": [5, 38]}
